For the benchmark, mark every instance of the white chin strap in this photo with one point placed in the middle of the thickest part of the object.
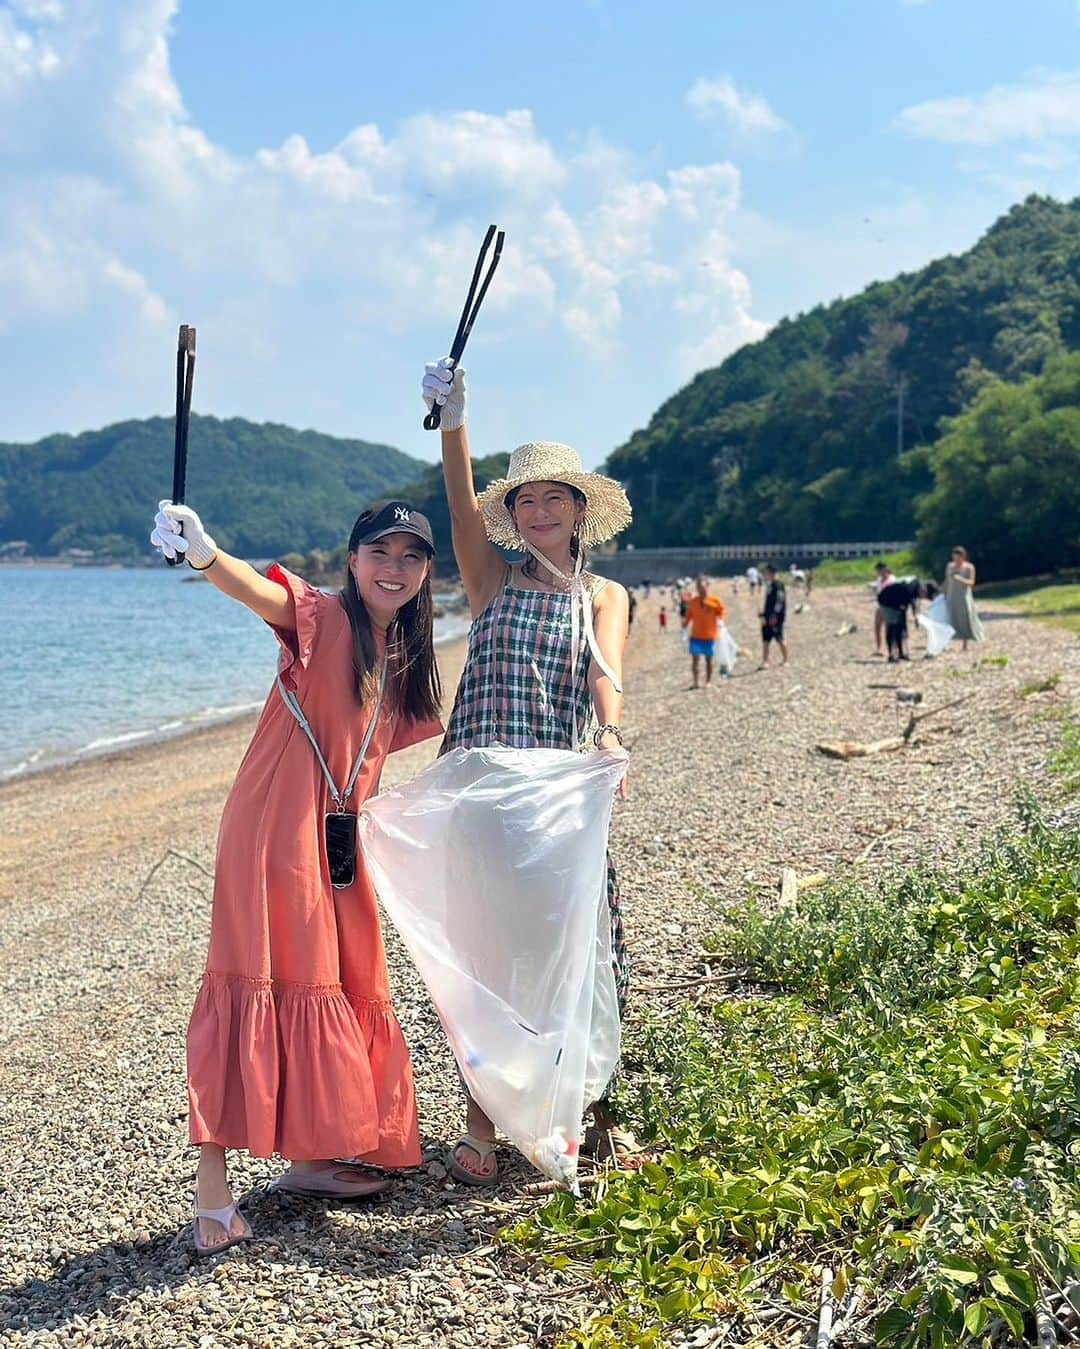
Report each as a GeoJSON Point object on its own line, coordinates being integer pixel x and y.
{"type": "Point", "coordinates": [580, 615]}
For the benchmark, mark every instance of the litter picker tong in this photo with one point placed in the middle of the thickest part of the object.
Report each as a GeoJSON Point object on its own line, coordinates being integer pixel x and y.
{"type": "Point", "coordinates": [185, 378]}
{"type": "Point", "coordinates": [468, 315]}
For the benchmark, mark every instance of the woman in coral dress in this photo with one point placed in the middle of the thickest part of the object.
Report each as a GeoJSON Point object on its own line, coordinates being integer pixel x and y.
{"type": "Point", "coordinates": [293, 1046]}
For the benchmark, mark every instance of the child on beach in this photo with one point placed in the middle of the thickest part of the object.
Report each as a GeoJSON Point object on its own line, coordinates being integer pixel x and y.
{"type": "Point", "coordinates": [527, 682]}
{"type": "Point", "coordinates": [293, 1047]}
{"type": "Point", "coordinates": [663, 617]}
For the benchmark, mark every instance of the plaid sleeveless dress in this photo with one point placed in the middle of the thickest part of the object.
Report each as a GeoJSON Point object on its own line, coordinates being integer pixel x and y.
{"type": "Point", "coordinates": [518, 689]}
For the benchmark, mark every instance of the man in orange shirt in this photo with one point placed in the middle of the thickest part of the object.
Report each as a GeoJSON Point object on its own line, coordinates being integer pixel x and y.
{"type": "Point", "coordinates": [703, 616]}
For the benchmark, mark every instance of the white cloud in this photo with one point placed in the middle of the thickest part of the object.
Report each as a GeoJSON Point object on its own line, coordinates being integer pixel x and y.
{"type": "Point", "coordinates": [747, 113]}
{"type": "Point", "coordinates": [24, 56]}
{"type": "Point", "coordinates": [151, 307]}
{"type": "Point", "coordinates": [127, 210]}
{"type": "Point", "coordinates": [1044, 106]}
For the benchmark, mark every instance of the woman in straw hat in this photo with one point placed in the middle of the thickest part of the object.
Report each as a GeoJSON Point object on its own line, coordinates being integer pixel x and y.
{"type": "Point", "coordinates": [545, 647]}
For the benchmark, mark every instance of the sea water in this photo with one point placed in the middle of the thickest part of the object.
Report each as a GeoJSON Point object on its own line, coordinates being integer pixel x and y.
{"type": "Point", "coordinates": [94, 659]}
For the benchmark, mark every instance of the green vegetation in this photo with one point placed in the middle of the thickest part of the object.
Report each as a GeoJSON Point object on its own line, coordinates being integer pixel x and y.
{"type": "Point", "coordinates": [794, 438]}
{"type": "Point", "coordinates": [1046, 685]}
{"type": "Point", "coordinates": [899, 1101]}
{"type": "Point", "coordinates": [1056, 604]}
{"type": "Point", "coordinates": [860, 570]}
{"type": "Point", "coordinates": [426, 494]}
{"type": "Point", "coordinates": [261, 490]}
{"type": "Point", "coordinates": [1007, 477]}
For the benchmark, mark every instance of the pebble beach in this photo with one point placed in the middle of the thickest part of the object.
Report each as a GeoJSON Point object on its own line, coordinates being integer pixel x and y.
{"type": "Point", "coordinates": [105, 884]}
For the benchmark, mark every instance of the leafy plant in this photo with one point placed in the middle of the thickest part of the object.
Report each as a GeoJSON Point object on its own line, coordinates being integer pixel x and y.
{"type": "Point", "coordinates": [900, 1101]}
{"type": "Point", "coordinates": [1045, 685]}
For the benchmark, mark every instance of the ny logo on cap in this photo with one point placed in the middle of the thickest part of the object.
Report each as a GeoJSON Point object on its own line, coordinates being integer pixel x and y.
{"type": "Point", "coordinates": [401, 513]}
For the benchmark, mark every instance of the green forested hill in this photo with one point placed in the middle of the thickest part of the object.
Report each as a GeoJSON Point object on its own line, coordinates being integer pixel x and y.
{"type": "Point", "coordinates": [261, 489]}
{"type": "Point", "coordinates": [794, 438]}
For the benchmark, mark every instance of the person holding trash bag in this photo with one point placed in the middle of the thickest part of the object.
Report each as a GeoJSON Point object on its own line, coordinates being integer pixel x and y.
{"type": "Point", "coordinates": [545, 650]}
{"type": "Point", "coordinates": [293, 1047]}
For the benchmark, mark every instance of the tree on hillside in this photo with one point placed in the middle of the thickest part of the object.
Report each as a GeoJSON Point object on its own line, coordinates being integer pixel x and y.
{"type": "Point", "coordinates": [1007, 478]}
{"type": "Point", "coordinates": [795, 437]}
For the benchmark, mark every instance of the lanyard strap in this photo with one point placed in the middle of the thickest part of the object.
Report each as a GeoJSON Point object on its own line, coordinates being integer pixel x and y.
{"type": "Point", "coordinates": [341, 799]}
{"type": "Point", "coordinates": [580, 620]}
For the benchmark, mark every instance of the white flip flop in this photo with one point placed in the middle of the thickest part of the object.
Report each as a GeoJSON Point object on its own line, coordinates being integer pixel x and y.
{"type": "Point", "coordinates": [224, 1218]}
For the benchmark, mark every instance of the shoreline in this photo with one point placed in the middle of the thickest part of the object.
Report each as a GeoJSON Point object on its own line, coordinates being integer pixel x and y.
{"type": "Point", "coordinates": [139, 745]}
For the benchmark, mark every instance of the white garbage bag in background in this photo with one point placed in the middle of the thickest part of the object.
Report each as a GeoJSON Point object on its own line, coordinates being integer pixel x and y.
{"type": "Point", "coordinates": [492, 865]}
{"type": "Point", "coordinates": [935, 623]}
{"type": "Point", "coordinates": [727, 653]}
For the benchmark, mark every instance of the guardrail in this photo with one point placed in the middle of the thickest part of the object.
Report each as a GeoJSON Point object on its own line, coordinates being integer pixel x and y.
{"type": "Point", "coordinates": [634, 565]}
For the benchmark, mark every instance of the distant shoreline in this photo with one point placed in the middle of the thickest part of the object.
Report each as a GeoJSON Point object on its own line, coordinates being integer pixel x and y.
{"type": "Point", "coordinates": [135, 744]}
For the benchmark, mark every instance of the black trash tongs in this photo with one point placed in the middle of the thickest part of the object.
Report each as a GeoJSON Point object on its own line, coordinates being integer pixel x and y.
{"type": "Point", "coordinates": [469, 313]}
{"type": "Point", "coordinates": [185, 379]}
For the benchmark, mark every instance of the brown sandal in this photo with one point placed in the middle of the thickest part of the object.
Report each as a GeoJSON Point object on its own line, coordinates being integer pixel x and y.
{"type": "Point", "coordinates": [611, 1145]}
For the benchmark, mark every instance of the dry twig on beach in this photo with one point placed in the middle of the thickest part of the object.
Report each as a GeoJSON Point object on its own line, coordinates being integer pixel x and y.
{"type": "Point", "coordinates": [171, 852]}
{"type": "Point", "coordinates": [859, 749]}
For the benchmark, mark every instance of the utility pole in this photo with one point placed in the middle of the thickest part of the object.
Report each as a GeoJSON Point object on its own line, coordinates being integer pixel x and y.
{"type": "Point", "coordinates": [901, 388]}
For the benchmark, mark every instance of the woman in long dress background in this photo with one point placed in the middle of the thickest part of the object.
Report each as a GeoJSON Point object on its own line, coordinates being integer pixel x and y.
{"type": "Point", "coordinates": [959, 588]}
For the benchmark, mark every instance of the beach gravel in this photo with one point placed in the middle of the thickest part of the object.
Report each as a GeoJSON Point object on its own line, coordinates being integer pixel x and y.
{"type": "Point", "coordinates": [104, 905]}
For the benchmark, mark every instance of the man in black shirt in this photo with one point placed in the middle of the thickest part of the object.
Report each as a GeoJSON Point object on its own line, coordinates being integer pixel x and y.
{"type": "Point", "coordinates": [772, 616]}
{"type": "Point", "coordinates": [894, 600]}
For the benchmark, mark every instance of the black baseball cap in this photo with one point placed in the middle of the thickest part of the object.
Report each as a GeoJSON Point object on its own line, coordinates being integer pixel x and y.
{"type": "Point", "coordinates": [390, 517]}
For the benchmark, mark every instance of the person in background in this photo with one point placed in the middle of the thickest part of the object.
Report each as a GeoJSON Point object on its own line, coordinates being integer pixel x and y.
{"type": "Point", "coordinates": [632, 598]}
{"type": "Point", "coordinates": [798, 576]}
{"type": "Point", "coordinates": [684, 601]}
{"type": "Point", "coordinates": [882, 578]}
{"type": "Point", "coordinates": [663, 617]}
{"type": "Point", "coordinates": [894, 600]}
{"type": "Point", "coordinates": [735, 585]}
{"type": "Point", "coordinates": [959, 588]}
{"type": "Point", "coordinates": [753, 579]}
{"type": "Point", "coordinates": [772, 617]}
{"type": "Point", "coordinates": [809, 581]}
{"type": "Point", "coordinates": [703, 615]}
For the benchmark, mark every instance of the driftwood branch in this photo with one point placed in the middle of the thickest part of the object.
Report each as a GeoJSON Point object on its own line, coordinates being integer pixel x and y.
{"type": "Point", "coordinates": [825, 1316]}
{"type": "Point", "coordinates": [858, 749]}
{"type": "Point", "coordinates": [684, 984]}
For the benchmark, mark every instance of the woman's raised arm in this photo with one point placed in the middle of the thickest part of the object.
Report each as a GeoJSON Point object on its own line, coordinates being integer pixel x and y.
{"type": "Point", "coordinates": [233, 577]}
{"type": "Point", "coordinates": [479, 561]}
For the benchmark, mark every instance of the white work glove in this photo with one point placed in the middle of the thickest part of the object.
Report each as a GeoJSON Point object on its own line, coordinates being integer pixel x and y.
{"type": "Point", "coordinates": [447, 388]}
{"type": "Point", "coordinates": [194, 544]}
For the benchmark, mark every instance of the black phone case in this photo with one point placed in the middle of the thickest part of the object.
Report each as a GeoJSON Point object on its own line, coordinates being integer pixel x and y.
{"type": "Point", "coordinates": [340, 833]}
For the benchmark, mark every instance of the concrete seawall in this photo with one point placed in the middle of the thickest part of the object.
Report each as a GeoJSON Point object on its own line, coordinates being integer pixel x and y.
{"type": "Point", "coordinates": [635, 565]}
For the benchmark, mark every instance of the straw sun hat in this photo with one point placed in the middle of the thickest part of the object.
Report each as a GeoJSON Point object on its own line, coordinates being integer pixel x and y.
{"type": "Point", "coordinates": [607, 510]}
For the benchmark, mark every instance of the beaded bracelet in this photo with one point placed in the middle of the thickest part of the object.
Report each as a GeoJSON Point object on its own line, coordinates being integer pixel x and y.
{"type": "Point", "coordinates": [600, 730]}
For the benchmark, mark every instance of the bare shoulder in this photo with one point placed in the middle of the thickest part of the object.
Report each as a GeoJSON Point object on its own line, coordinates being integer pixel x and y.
{"type": "Point", "coordinates": [607, 594]}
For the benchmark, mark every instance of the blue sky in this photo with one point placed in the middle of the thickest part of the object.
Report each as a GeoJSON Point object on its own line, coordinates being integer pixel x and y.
{"type": "Point", "coordinates": [309, 184]}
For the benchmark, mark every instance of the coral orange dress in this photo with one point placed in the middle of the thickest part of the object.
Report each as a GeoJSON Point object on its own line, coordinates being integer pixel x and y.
{"type": "Point", "coordinates": [293, 1046]}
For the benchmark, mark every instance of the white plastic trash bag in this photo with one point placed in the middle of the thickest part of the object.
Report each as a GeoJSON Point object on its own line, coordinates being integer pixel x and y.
{"type": "Point", "coordinates": [726, 651]}
{"type": "Point", "coordinates": [492, 865]}
{"type": "Point", "coordinates": [935, 622]}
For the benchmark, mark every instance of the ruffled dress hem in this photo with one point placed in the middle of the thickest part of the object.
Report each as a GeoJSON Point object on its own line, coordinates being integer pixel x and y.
{"type": "Point", "coordinates": [304, 1071]}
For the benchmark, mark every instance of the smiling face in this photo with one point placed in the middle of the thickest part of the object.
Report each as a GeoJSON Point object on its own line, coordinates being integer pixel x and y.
{"type": "Point", "coordinates": [389, 573]}
{"type": "Point", "coordinates": [545, 514]}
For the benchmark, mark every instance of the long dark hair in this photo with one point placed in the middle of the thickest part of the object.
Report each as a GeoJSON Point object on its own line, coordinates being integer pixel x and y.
{"type": "Point", "coordinates": [415, 688]}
